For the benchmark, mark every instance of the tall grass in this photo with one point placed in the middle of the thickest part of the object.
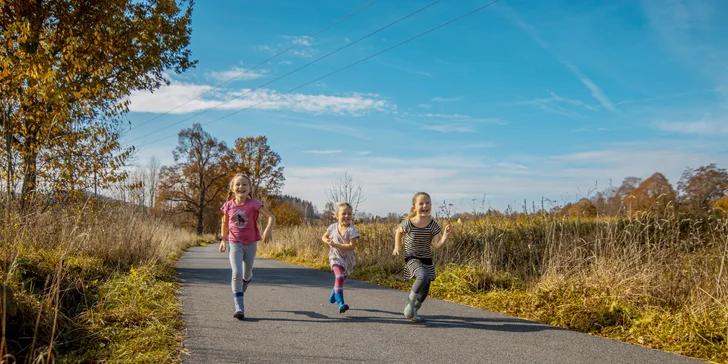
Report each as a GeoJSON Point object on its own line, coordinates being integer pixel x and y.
{"type": "Point", "coordinates": [658, 281]}
{"type": "Point", "coordinates": [88, 283]}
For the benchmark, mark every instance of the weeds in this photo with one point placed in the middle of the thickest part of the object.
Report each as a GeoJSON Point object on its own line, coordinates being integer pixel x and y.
{"type": "Point", "coordinates": [91, 285]}
{"type": "Point", "coordinates": [657, 281]}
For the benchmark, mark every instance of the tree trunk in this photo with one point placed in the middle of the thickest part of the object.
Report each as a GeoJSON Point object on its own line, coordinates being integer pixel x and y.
{"type": "Point", "coordinates": [200, 212]}
{"type": "Point", "coordinates": [30, 173]}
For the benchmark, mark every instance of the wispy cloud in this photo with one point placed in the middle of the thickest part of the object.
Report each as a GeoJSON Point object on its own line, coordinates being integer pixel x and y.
{"type": "Point", "coordinates": [335, 151]}
{"type": "Point", "coordinates": [447, 99]}
{"type": "Point", "coordinates": [447, 123]}
{"type": "Point", "coordinates": [177, 93]}
{"type": "Point", "coordinates": [698, 127]}
{"type": "Point", "coordinates": [556, 105]}
{"type": "Point", "coordinates": [424, 106]}
{"type": "Point", "coordinates": [595, 90]}
{"type": "Point", "coordinates": [363, 152]}
{"type": "Point", "coordinates": [237, 73]}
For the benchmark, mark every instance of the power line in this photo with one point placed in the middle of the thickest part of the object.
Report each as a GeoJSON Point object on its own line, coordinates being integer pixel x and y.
{"type": "Point", "coordinates": [297, 69]}
{"type": "Point", "coordinates": [351, 64]}
{"type": "Point", "coordinates": [259, 64]}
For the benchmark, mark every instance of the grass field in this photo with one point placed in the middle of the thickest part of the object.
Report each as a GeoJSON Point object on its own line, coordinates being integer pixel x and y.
{"type": "Point", "coordinates": [660, 282]}
{"type": "Point", "coordinates": [91, 284]}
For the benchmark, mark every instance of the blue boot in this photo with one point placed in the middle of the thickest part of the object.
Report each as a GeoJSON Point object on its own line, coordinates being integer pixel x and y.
{"type": "Point", "coordinates": [332, 298]}
{"type": "Point", "coordinates": [339, 297]}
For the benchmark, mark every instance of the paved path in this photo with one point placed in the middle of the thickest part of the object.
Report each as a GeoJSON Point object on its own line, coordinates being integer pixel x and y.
{"type": "Point", "coordinates": [289, 320]}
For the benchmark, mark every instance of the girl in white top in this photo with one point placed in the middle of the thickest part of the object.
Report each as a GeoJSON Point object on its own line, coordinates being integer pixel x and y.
{"type": "Point", "coordinates": [341, 237]}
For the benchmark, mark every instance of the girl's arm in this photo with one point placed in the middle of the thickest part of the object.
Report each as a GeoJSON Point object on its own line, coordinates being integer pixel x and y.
{"type": "Point", "coordinates": [398, 236]}
{"type": "Point", "coordinates": [326, 238]}
{"type": "Point", "coordinates": [439, 240]}
{"type": "Point", "coordinates": [224, 238]}
{"type": "Point", "coordinates": [268, 233]}
{"type": "Point", "coordinates": [351, 245]}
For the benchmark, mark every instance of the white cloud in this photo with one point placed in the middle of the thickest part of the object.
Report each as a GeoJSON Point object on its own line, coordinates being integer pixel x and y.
{"type": "Point", "coordinates": [236, 73]}
{"type": "Point", "coordinates": [363, 152]}
{"type": "Point", "coordinates": [335, 151]}
{"type": "Point", "coordinates": [424, 106]}
{"type": "Point", "coordinates": [167, 98]}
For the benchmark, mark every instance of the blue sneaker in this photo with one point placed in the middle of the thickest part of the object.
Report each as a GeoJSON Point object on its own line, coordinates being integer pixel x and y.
{"type": "Point", "coordinates": [332, 298]}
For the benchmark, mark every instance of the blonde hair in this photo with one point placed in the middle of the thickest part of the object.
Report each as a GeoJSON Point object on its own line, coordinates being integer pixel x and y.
{"type": "Point", "coordinates": [412, 212]}
{"type": "Point", "coordinates": [231, 194]}
{"type": "Point", "coordinates": [339, 205]}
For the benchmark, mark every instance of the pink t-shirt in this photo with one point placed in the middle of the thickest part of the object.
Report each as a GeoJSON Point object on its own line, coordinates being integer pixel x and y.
{"type": "Point", "coordinates": [243, 220]}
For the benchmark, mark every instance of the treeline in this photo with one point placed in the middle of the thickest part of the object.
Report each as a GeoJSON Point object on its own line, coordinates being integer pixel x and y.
{"type": "Point", "coordinates": [191, 191]}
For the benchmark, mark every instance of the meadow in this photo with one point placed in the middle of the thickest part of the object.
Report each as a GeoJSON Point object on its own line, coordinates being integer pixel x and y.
{"type": "Point", "coordinates": [656, 281]}
{"type": "Point", "coordinates": [95, 283]}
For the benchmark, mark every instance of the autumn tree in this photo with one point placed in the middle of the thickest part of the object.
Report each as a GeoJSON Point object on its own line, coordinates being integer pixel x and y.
{"type": "Point", "coordinates": [328, 215]}
{"type": "Point", "coordinates": [198, 179]}
{"type": "Point", "coordinates": [344, 189]}
{"type": "Point", "coordinates": [255, 158]}
{"type": "Point", "coordinates": [67, 68]}
{"type": "Point", "coordinates": [615, 198]}
{"type": "Point", "coordinates": [700, 188]}
{"type": "Point", "coordinates": [286, 213]}
{"type": "Point", "coordinates": [582, 208]}
{"type": "Point", "coordinates": [653, 194]}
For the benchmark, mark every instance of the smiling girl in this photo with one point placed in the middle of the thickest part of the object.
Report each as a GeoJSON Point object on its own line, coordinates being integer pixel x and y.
{"type": "Point", "coordinates": [341, 237]}
{"type": "Point", "coordinates": [240, 230]}
{"type": "Point", "coordinates": [421, 234]}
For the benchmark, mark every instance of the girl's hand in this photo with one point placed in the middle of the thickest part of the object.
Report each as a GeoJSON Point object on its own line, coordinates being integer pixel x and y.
{"type": "Point", "coordinates": [395, 252]}
{"type": "Point", "coordinates": [447, 229]}
{"type": "Point", "coordinates": [222, 246]}
{"type": "Point", "coordinates": [328, 241]}
{"type": "Point", "coordinates": [267, 236]}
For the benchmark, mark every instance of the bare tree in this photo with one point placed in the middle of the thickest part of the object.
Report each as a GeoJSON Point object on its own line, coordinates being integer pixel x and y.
{"type": "Point", "coordinates": [345, 189]}
{"type": "Point", "coordinates": [152, 178]}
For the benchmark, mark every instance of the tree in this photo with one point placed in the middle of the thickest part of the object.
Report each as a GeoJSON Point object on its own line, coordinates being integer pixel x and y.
{"type": "Point", "coordinates": [198, 178]}
{"type": "Point", "coordinates": [328, 215]}
{"type": "Point", "coordinates": [700, 188]}
{"type": "Point", "coordinates": [616, 197]}
{"type": "Point", "coordinates": [583, 208]}
{"type": "Point", "coordinates": [286, 213]}
{"type": "Point", "coordinates": [255, 158]}
{"type": "Point", "coordinates": [344, 189]}
{"type": "Point", "coordinates": [654, 194]}
{"type": "Point", "coordinates": [152, 179]}
{"type": "Point", "coordinates": [68, 66]}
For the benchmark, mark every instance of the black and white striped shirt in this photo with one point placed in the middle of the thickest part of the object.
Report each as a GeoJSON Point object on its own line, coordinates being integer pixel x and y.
{"type": "Point", "coordinates": [418, 241]}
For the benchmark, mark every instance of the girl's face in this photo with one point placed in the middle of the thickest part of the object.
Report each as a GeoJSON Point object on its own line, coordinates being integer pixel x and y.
{"type": "Point", "coordinates": [344, 214]}
{"type": "Point", "coordinates": [241, 187]}
{"type": "Point", "coordinates": [423, 206]}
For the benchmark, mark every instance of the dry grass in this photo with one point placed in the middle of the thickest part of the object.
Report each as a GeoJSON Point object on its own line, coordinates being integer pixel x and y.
{"type": "Point", "coordinates": [661, 282]}
{"type": "Point", "coordinates": [96, 282]}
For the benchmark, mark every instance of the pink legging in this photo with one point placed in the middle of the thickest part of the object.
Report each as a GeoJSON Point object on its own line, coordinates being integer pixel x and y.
{"type": "Point", "coordinates": [340, 278]}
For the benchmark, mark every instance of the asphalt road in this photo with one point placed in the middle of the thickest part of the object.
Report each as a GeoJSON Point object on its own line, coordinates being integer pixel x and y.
{"type": "Point", "coordinates": [289, 320]}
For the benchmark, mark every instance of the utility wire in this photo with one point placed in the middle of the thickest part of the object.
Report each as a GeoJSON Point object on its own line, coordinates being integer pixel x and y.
{"type": "Point", "coordinates": [297, 69]}
{"type": "Point", "coordinates": [259, 64]}
{"type": "Point", "coordinates": [351, 64]}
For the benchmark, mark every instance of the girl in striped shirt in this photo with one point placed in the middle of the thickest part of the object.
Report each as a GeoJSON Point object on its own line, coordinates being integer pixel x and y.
{"type": "Point", "coordinates": [421, 233]}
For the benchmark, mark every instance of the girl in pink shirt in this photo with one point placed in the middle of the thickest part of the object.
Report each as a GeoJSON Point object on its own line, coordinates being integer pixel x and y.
{"type": "Point", "coordinates": [240, 230]}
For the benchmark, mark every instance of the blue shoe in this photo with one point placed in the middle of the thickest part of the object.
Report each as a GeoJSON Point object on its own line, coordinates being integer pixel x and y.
{"type": "Point", "coordinates": [332, 298]}
{"type": "Point", "coordinates": [343, 307]}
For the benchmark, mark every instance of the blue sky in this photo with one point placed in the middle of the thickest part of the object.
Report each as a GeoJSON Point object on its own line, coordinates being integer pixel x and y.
{"type": "Point", "coordinates": [522, 100]}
